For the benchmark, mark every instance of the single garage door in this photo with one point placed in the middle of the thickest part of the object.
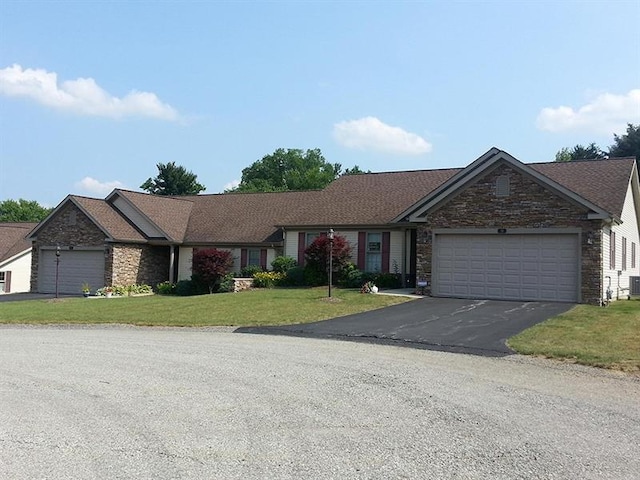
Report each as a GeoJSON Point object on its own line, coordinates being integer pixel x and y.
{"type": "Point", "coordinates": [75, 268]}
{"type": "Point", "coordinates": [508, 267]}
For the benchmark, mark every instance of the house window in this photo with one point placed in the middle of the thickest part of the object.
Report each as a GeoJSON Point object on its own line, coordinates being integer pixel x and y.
{"type": "Point", "coordinates": [612, 251]}
{"type": "Point", "coordinates": [2, 282]}
{"type": "Point", "coordinates": [502, 186]}
{"type": "Point", "coordinates": [253, 257]}
{"type": "Point", "coordinates": [633, 254]}
{"type": "Point", "coordinates": [373, 252]}
{"type": "Point", "coordinates": [624, 253]}
{"type": "Point", "coordinates": [310, 238]}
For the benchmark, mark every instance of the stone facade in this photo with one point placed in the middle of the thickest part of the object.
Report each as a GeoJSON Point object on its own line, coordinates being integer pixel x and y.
{"type": "Point", "coordinates": [69, 228]}
{"type": "Point", "coordinates": [137, 264]}
{"type": "Point", "coordinates": [240, 284]}
{"type": "Point", "coordinates": [529, 205]}
{"type": "Point", "coordinates": [125, 264]}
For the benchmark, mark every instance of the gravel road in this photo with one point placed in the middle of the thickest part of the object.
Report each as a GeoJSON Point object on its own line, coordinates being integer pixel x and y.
{"type": "Point", "coordinates": [125, 402]}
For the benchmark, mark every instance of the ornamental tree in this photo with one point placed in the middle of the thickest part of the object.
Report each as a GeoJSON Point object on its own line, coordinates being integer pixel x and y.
{"type": "Point", "coordinates": [317, 256]}
{"type": "Point", "coordinates": [210, 265]}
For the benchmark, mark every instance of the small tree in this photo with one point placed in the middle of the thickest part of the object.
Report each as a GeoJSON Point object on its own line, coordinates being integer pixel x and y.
{"type": "Point", "coordinates": [211, 265]}
{"type": "Point", "coordinates": [173, 179]}
{"type": "Point", "coordinates": [317, 256]}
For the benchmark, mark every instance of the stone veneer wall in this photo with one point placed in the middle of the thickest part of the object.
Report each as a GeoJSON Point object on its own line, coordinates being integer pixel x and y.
{"type": "Point", "coordinates": [240, 284]}
{"type": "Point", "coordinates": [69, 228]}
{"type": "Point", "coordinates": [138, 264]}
{"type": "Point", "coordinates": [529, 205]}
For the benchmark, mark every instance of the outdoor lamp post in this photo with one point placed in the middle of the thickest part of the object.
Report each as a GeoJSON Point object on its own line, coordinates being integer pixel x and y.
{"type": "Point", "coordinates": [57, 268]}
{"type": "Point", "coordinates": [330, 259]}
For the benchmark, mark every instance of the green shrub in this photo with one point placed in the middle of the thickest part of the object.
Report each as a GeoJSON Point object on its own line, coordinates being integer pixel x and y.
{"type": "Point", "coordinates": [283, 264]}
{"type": "Point", "coordinates": [185, 288]}
{"type": "Point", "coordinates": [294, 277]}
{"type": "Point", "coordinates": [388, 280]}
{"type": "Point", "coordinates": [250, 270]}
{"type": "Point", "coordinates": [268, 279]}
{"type": "Point", "coordinates": [226, 285]}
{"type": "Point", "coordinates": [166, 288]}
{"type": "Point", "coordinates": [313, 277]}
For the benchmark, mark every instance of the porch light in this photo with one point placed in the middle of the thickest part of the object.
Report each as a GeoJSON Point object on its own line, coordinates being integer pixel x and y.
{"type": "Point", "coordinates": [331, 233]}
{"type": "Point", "coordinates": [57, 267]}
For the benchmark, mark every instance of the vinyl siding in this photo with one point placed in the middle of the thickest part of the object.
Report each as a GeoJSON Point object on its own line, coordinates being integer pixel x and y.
{"type": "Point", "coordinates": [395, 247]}
{"type": "Point", "coordinates": [629, 230]}
{"type": "Point", "coordinates": [138, 219]}
{"type": "Point", "coordinates": [186, 256]}
{"type": "Point", "coordinates": [20, 268]}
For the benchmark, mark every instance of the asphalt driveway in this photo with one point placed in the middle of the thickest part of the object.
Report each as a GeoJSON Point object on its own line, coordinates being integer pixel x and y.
{"type": "Point", "coordinates": [478, 327]}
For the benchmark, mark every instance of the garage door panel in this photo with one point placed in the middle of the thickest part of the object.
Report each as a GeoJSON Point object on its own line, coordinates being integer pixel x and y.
{"type": "Point", "coordinates": [75, 267]}
{"type": "Point", "coordinates": [516, 267]}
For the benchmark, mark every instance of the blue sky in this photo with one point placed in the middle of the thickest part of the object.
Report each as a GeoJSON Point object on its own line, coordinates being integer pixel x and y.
{"type": "Point", "coordinates": [94, 94]}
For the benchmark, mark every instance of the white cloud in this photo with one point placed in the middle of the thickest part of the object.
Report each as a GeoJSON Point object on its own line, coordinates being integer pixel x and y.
{"type": "Point", "coordinates": [95, 187]}
{"type": "Point", "coordinates": [231, 185]}
{"type": "Point", "coordinates": [82, 96]}
{"type": "Point", "coordinates": [369, 133]}
{"type": "Point", "coordinates": [607, 113]}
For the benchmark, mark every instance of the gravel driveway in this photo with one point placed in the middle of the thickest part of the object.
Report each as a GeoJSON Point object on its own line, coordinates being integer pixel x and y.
{"type": "Point", "coordinates": [125, 402]}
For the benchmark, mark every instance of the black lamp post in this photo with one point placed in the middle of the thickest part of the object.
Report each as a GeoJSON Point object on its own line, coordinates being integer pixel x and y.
{"type": "Point", "coordinates": [330, 259]}
{"type": "Point", "coordinates": [57, 268]}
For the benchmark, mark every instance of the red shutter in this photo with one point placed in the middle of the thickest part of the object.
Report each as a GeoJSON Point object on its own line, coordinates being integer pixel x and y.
{"type": "Point", "coordinates": [386, 240]}
{"type": "Point", "coordinates": [362, 250]}
{"type": "Point", "coordinates": [263, 258]}
{"type": "Point", "coordinates": [7, 282]}
{"type": "Point", "coordinates": [301, 247]}
{"type": "Point", "coordinates": [243, 257]}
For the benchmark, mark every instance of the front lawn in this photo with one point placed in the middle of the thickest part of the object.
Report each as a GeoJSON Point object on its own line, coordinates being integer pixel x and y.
{"type": "Point", "coordinates": [249, 308]}
{"type": "Point", "coordinates": [598, 336]}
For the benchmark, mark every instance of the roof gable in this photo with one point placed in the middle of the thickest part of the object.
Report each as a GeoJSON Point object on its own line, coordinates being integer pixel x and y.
{"type": "Point", "coordinates": [483, 165]}
{"type": "Point", "coordinates": [13, 239]}
{"type": "Point", "coordinates": [104, 216]}
{"type": "Point", "coordinates": [604, 182]}
{"type": "Point", "coordinates": [155, 215]}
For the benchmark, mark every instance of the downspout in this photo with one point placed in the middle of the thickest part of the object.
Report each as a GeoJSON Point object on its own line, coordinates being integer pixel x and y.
{"type": "Point", "coordinates": [172, 261]}
{"type": "Point", "coordinates": [404, 258]}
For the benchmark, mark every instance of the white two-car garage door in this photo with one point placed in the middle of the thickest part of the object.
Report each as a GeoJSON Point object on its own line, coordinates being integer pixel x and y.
{"type": "Point", "coordinates": [508, 267]}
{"type": "Point", "coordinates": [76, 267]}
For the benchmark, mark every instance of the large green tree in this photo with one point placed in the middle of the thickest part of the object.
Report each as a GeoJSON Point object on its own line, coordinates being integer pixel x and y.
{"type": "Point", "coordinates": [290, 169]}
{"type": "Point", "coordinates": [580, 152]}
{"type": "Point", "coordinates": [22, 211]}
{"type": "Point", "coordinates": [173, 179]}
{"type": "Point", "coordinates": [627, 145]}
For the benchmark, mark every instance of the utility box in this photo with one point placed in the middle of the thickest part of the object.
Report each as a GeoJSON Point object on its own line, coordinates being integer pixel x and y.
{"type": "Point", "coordinates": [634, 286]}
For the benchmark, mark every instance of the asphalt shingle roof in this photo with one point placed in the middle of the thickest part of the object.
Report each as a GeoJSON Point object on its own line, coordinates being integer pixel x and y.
{"type": "Point", "coordinates": [372, 199]}
{"type": "Point", "coordinates": [602, 182]}
{"type": "Point", "coordinates": [170, 214]}
{"type": "Point", "coordinates": [114, 224]}
{"type": "Point", "coordinates": [244, 217]}
{"type": "Point", "coordinates": [13, 238]}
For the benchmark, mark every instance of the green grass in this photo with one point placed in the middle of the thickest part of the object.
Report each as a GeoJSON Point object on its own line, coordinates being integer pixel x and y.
{"type": "Point", "coordinates": [603, 337]}
{"type": "Point", "coordinates": [250, 308]}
